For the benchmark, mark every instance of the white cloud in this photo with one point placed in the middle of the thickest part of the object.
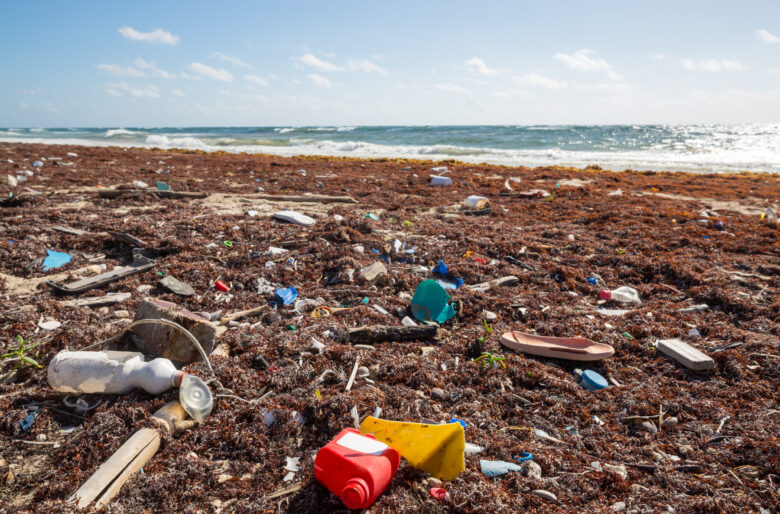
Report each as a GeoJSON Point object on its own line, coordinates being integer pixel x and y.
{"type": "Point", "coordinates": [120, 71]}
{"type": "Point", "coordinates": [534, 79]}
{"type": "Point", "coordinates": [214, 73]}
{"type": "Point", "coordinates": [712, 65]}
{"type": "Point", "coordinates": [23, 105]}
{"type": "Point", "coordinates": [478, 67]}
{"type": "Point", "coordinates": [122, 88]}
{"type": "Point", "coordinates": [187, 76]}
{"type": "Point", "coordinates": [773, 71]}
{"type": "Point", "coordinates": [155, 36]}
{"type": "Point", "coordinates": [581, 60]}
{"type": "Point", "coordinates": [224, 92]}
{"type": "Point", "coordinates": [152, 67]}
{"type": "Point", "coordinates": [314, 62]}
{"type": "Point", "coordinates": [767, 36]}
{"type": "Point", "coordinates": [260, 81]}
{"type": "Point", "coordinates": [232, 60]}
{"type": "Point", "coordinates": [453, 88]}
{"type": "Point", "coordinates": [658, 57]}
{"type": "Point", "coordinates": [513, 93]}
{"type": "Point", "coordinates": [177, 92]}
{"type": "Point", "coordinates": [319, 80]}
{"type": "Point", "coordinates": [50, 107]}
{"type": "Point", "coordinates": [365, 66]}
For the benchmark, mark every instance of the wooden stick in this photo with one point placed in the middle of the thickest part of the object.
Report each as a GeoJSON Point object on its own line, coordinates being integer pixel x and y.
{"type": "Point", "coordinates": [114, 193]}
{"type": "Point", "coordinates": [503, 281]}
{"type": "Point", "coordinates": [352, 376]}
{"type": "Point", "coordinates": [380, 333]}
{"type": "Point", "coordinates": [109, 478]}
{"type": "Point", "coordinates": [242, 314]}
{"type": "Point", "coordinates": [96, 301]}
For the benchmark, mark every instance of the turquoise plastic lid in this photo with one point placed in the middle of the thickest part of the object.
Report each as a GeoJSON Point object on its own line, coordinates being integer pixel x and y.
{"type": "Point", "coordinates": [592, 381]}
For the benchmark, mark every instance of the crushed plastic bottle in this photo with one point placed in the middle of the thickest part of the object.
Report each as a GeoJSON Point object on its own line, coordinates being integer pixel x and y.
{"type": "Point", "coordinates": [111, 372]}
{"type": "Point", "coordinates": [623, 294]}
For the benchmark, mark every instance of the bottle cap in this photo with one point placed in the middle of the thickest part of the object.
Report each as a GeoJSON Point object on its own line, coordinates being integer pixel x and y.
{"type": "Point", "coordinates": [606, 295]}
{"type": "Point", "coordinates": [355, 493]}
{"type": "Point", "coordinates": [592, 381]}
{"type": "Point", "coordinates": [195, 397]}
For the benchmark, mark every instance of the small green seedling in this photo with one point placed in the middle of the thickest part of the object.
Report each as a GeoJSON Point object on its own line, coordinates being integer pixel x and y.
{"type": "Point", "coordinates": [488, 328]}
{"type": "Point", "coordinates": [19, 353]}
{"type": "Point", "coordinates": [488, 360]}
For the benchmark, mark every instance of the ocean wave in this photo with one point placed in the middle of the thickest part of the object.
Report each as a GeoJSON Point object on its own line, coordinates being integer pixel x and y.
{"type": "Point", "coordinates": [178, 142]}
{"type": "Point", "coordinates": [690, 148]}
{"type": "Point", "coordinates": [118, 132]}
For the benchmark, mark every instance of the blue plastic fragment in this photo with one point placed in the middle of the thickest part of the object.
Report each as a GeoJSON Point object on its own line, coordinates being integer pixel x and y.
{"type": "Point", "coordinates": [162, 186]}
{"type": "Point", "coordinates": [526, 456]}
{"type": "Point", "coordinates": [592, 381]}
{"type": "Point", "coordinates": [29, 420]}
{"type": "Point", "coordinates": [441, 268]}
{"type": "Point", "coordinates": [592, 281]}
{"type": "Point", "coordinates": [375, 250]}
{"type": "Point", "coordinates": [55, 260]}
{"type": "Point", "coordinates": [495, 468]}
{"type": "Point", "coordinates": [286, 295]}
{"type": "Point", "coordinates": [456, 420]}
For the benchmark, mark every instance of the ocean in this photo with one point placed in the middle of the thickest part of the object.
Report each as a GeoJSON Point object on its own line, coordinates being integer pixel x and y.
{"type": "Point", "coordinates": [689, 148]}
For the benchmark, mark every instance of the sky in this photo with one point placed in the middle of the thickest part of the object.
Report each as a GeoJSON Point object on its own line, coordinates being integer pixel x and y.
{"type": "Point", "coordinates": [241, 63]}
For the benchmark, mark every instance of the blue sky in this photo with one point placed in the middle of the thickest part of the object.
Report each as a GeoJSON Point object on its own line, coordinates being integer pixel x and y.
{"type": "Point", "coordinates": [370, 63]}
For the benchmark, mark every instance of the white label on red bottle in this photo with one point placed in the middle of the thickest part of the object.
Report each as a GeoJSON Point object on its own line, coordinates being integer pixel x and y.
{"type": "Point", "coordinates": [362, 444]}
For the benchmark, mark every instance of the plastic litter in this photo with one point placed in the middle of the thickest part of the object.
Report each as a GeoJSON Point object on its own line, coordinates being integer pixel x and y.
{"type": "Point", "coordinates": [439, 493]}
{"type": "Point", "coordinates": [526, 456]}
{"type": "Point", "coordinates": [435, 449]}
{"type": "Point", "coordinates": [592, 381]}
{"type": "Point", "coordinates": [476, 202]}
{"type": "Point", "coordinates": [438, 180]}
{"type": "Point", "coordinates": [622, 294]}
{"type": "Point", "coordinates": [195, 397]}
{"type": "Point", "coordinates": [221, 286]}
{"type": "Point", "coordinates": [355, 467]}
{"type": "Point", "coordinates": [162, 186]}
{"type": "Point", "coordinates": [294, 217]}
{"type": "Point", "coordinates": [28, 421]}
{"type": "Point", "coordinates": [111, 372]}
{"type": "Point", "coordinates": [55, 260]}
{"type": "Point", "coordinates": [496, 468]}
{"type": "Point", "coordinates": [50, 325]}
{"type": "Point", "coordinates": [431, 303]}
{"type": "Point", "coordinates": [37, 164]}
{"type": "Point", "coordinates": [286, 296]}
{"type": "Point", "coordinates": [372, 216]}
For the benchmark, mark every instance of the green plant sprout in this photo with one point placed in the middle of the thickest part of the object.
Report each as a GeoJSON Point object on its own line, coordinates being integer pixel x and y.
{"type": "Point", "coordinates": [488, 328]}
{"type": "Point", "coordinates": [19, 353]}
{"type": "Point", "coordinates": [488, 360]}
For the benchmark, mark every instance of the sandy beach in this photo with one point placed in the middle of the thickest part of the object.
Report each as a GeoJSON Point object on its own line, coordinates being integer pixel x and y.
{"type": "Point", "coordinates": [709, 439]}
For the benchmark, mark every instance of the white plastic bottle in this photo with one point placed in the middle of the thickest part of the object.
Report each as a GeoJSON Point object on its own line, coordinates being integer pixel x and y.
{"type": "Point", "coordinates": [111, 372]}
{"type": "Point", "coordinates": [622, 294]}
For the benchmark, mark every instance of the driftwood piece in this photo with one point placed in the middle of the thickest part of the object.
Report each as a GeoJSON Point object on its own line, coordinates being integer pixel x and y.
{"type": "Point", "coordinates": [115, 193]}
{"type": "Point", "coordinates": [242, 314]}
{"type": "Point", "coordinates": [139, 265]}
{"type": "Point", "coordinates": [685, 354]}
{"type": "Point", "coordinates": [498, 282]}
{"type": "Point", "coordinates": [305, 198]}
{"type": "Point", "coordinates": [96, 301]}
{"type": "Point", "coordinates": [381, 333]}
{"type": "Point", "coordinates": [109, 478]}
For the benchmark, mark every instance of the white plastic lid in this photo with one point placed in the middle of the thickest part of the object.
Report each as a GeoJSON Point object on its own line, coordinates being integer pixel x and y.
{"type": "Point", "coordinates": [195, 397]}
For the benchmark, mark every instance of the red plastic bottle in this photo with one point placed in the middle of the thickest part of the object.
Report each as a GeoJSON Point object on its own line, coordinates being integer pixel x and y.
{"type": "Point", "coordinates": [355, 467]}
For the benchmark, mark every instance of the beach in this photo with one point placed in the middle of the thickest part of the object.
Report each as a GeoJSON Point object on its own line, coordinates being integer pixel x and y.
{"type": "Point", "coordinates": [708, 440]}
